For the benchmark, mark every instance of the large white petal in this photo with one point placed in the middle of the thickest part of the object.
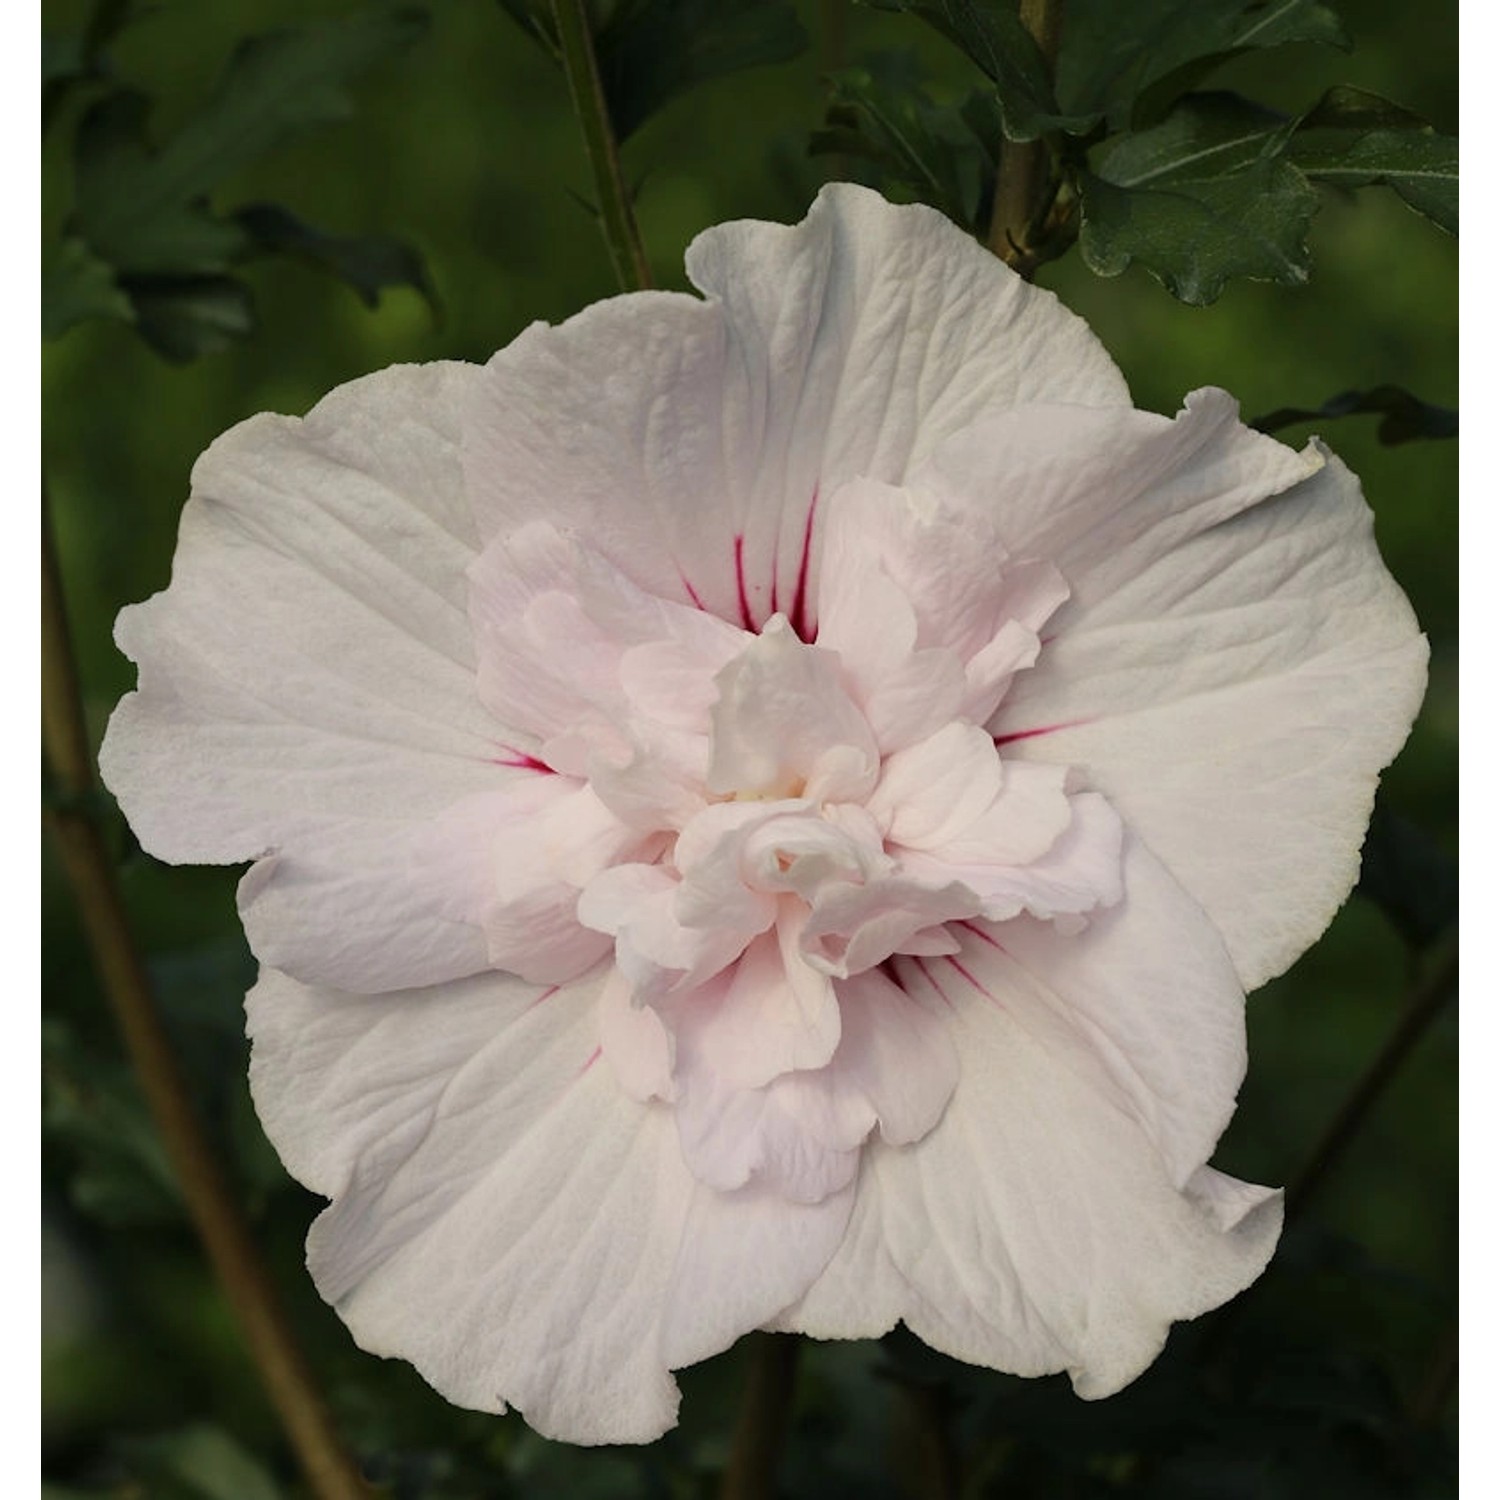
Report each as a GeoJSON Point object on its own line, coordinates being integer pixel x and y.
{"type": "Point", "coordinates": [504, 1216]}
{"type": "Point", "coordinates": [1038, 1226]}
{"type": "Point", "coordinates": [1235, 696]}
{"type": "Point", "coordinates": [689, 441]}
{"type": "Point", "coordinates": [1102, 494]}
{"type": "Point", "coordinates": [307, 681]}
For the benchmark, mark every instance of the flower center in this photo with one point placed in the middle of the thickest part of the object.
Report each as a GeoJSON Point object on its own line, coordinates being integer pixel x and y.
{"type": "Point", "coordinates": [765, 829]}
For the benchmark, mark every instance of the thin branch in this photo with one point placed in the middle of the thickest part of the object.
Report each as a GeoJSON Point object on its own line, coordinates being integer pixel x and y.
{"type": "Point", "coordinates": [616, 216]}
{"type": "Point", "coordinates": [932, 1466]}
{"type": "Point", "coordinates": [331, 1472]}
{"type": "Point", "coordinates": [833, 30]}
{"type": "Point", "coordinates": [1024, 179]}
{"type": "Point", "coordinates": [1438, 1384]}
{"type": "Point", "coordinates": [765, 1416]}
{"type": "Point", "coordinates": [1422, 1007]}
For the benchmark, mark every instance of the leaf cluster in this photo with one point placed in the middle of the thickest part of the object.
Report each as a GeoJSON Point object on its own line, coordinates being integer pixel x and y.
{"type": "Point", "coordinates": [145, 242]}
{"type": "Point", "coordinates": [1142, 163]}
{"type": "Point", "coordinates": [650, 51]}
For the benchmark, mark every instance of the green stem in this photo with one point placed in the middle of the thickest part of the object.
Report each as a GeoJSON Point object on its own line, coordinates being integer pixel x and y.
{"type": "Point", "coordinates": [331, 1472]}
{"type": "Point", "coordinates": [616, 217]}
{"type": "Point", "coordinates": [834, 34]}
{"type": "Point", "coordinates": [1024, 181]}
{"type": "Point", "coordinates": [765, 1416]}
{"type": "Point", "coordinates": [833, 57]}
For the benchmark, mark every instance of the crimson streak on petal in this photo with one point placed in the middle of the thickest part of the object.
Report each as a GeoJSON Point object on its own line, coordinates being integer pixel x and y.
{"type": "Point", "coordinates": [746, 618]}
{"type": "Point", "coordinates": [798, 616]}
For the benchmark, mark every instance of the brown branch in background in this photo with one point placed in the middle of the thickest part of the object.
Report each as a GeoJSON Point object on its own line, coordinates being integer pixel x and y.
{"type": "Point", "coordinates": [1423, 1004]}
{"type": "Point", "coordinates": [331, 1471]}
{"type": "Point", "coordinates": [1439, 1381]}
{"type": "Point", "coordinates": [929, 1457]}
{"type": "Point", "coordinates": [1024, 180]}
{"type": "Point", "coordinates": [765, 1416]}
{"type": "Point", "coordinates": [1422, 1007]}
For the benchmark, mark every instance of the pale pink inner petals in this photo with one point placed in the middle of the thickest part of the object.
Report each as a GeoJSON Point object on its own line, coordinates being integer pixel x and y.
{"type": "Point", "coordinates": [783, 721]}
{"type": "Point", "coordinates": [554, 622]}
{"type": "Point", "coordinates": [930, 617]}
{"type": "Point", "coordinates": [774, 1014]}
{"type": "Point", "coordinates": [635, 1041]}
{"type": "Point", "coordinates": [529, 850]}
{"type": "Point", "coordinates": [753, 823]}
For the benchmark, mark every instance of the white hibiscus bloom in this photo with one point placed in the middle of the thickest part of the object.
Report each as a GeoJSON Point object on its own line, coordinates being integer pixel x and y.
{"type": "Point", "coordinates": [764, 810]}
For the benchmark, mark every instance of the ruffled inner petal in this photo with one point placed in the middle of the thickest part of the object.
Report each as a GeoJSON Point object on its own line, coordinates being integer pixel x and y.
{"type": "Point", "coordinates": [783, 721]}
{"type": "Point", "coordinates": [755, 823]}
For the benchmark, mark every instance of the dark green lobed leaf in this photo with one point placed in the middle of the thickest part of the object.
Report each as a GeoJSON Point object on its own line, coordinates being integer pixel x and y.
{"type": "Point", "coordinates": [183, 317]}
{"type": "Point", "coordinates": [650, 51]}
{"type": "Point", "coordinates": [1104, 66]}
{"type": "Point", "coordinates": [880, 112]}
{"type": "Point", "coordinates": [1200, 198]}
{"type": "Point", "coordinates": [368, 262]}
{"type": "Point", "coordinates": [93, 1111]}
{"type": "Point", "coordinates": [146, 211]}
{"type": "Point", "coordinates": [1403, 418]}
{"type": "Point", "coordinates": [75, 58]}
{"type": "Point", "coordinates": [76, 285]}
{"type": "Point", "coordinates": [991, 34]}
{"type": "Point", "coordinates": [198, 1463]}
{"type": "Point", "coordinates": [1354, 139]}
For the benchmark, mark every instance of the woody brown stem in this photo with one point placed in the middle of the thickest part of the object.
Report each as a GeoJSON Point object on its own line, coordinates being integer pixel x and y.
{"type": "Point", "coordinates": [1023, 184]}
{"type": "Point", "coordinates": [72, 818]}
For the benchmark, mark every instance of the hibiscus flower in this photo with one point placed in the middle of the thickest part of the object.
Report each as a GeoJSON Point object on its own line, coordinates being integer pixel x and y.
{"type": "Point", "coordinates": [764, 811]}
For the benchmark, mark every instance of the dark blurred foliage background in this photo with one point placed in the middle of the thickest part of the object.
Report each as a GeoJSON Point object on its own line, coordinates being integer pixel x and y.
{"type": "Point", "coordinates": [1333, 1377]}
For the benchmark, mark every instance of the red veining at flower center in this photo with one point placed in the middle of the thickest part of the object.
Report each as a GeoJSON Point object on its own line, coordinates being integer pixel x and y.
{"type": "Point", "coordinates": [1031, 734]}
{"type": "Point", "coordinates": [797, 616]}
{"type": "Point", "coordinates": [521, 761]}
{"type": "Point", "coordinates": [746, 618]}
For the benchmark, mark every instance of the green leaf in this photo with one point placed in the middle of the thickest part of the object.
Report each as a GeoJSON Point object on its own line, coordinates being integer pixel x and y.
{"type": "Point", "coordinates": [199, 1463]}
{"type": "Point", "coordinates": [650, 51]}
{"type": "Point", "coordinates": [881, 112]}
{"type": "Point", "coordinates": [183, 317]}
{"type": "Point", "coordinates": [1200, 198]}
{"type": "Point", "coordinates": [1111, 56]}
{"type": "Point", "coordinates": [991, 34]}
{"type": "Point", "coordinates": [63, 59]}
{"type": "Point", "coordinates": [1403, 418]}
{"type": "Point", "coordinates": [73, 58]}
{"type": "Point", "coordinates": [93, 1111]}
{"type": "Point", "coordinates": [77, 285]}
{"type": "Point", "coordinates": [368, 262]}
{"type": "Point", "coordinates": [131, 214]}
{"type": "Point", "coordinates": [534, 17]}
{"type": "Point", "coordinates": [1354, 139]}
{"type": "Point", "coordinates": [146, 211]}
